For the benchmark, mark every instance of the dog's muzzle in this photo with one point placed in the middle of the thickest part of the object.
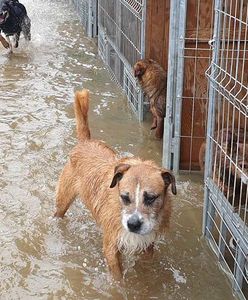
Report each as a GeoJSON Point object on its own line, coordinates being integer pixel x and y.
{"type": "Point", "coordinates": [137, 73]}
{"type": "Point", "coordinates": [3, 17]}
{"type": "Point", "coordinates": [137, 224]}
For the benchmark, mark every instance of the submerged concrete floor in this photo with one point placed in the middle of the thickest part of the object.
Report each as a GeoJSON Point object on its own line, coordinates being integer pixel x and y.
{"type": "Point", "coordinates": [43, 258]}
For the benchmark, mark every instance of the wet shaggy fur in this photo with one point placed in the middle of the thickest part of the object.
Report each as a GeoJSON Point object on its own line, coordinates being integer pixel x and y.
{"type": "Point", "coordinates": [13, 21]}
{"type": "Point", "coordinates": [98, 176]}
{"type": "Point", "coordinates": [152, 79]}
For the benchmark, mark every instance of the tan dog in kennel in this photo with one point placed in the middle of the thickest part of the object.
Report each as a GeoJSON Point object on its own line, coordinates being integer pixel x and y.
{"type": "Point", "coordinates": [128, 197]}
{"type": "Point", "coordinates": [153, 80]}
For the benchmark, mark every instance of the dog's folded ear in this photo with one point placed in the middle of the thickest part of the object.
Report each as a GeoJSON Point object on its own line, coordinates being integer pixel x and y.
{"type": "Point", "coordinates": [169, 178]}
{"type": "Point", "coordinates": [118, 173]}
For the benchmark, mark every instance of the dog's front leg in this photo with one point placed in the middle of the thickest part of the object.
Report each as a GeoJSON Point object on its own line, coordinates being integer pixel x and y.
{"type": "Point", "coordinates": [4, 42]}
{"type": "Point", "coordinates": [10, 45]}
{"type": "Point", "coordinates": [160, 128]}
{"type": "Point", "coordinates": [154, 122]}
{"type": "Point", "coordinates": [17, 38]}
{"type": "Point", "coordinates": [113, 257]}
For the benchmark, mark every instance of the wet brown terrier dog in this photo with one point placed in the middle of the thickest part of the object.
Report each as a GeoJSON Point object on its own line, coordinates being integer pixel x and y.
{"type": "Point", "coordinates": [152, 79]}
{"type": "Point", "coordinates": [127, 196]}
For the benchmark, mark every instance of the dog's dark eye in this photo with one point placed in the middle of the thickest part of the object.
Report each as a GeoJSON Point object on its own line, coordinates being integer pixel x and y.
{"type": "Point", "coordinates": [149, 198]}
{"type": "Point", "coordinates": [125, 198]}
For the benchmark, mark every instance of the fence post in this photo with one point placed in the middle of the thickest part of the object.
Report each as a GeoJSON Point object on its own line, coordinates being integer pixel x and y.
{"type": "Point", "coordinates": [171, 85]}
{"type": "Point", "coordinates": [89, 27]}
{"type": "Point", "coordinates": [143, 54]}
{"type": "Point", "coordinates": [179, 85]}
{"type": "Point", "coordinates": [208, 206]}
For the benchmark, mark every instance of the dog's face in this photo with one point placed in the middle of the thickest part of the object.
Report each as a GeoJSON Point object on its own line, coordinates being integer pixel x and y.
{"type": "Point", "coordinates": [139, 68]}
{"type": "Point", "coordinates": [4, 11]}
{"type": "Point", "coordinates": [142, 190]}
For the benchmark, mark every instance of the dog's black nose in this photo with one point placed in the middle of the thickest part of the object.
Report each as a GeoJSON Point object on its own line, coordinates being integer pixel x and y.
{"type": "Point", "coordinates": [134, 224]}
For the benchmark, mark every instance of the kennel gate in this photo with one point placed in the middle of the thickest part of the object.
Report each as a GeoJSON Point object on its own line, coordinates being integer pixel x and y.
{"type": "Point", "coordinates": [87, 10]}
{"type": "Point", "coordinates": [121, 42]}
{"type": "Point", "coordinates": [226, 172]}
{"type": "Point", "coordinates": [191, 27]}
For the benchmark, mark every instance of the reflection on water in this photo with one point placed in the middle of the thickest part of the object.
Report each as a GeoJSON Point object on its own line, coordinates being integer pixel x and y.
{"type": "Point", "coordinates": [43, 258]}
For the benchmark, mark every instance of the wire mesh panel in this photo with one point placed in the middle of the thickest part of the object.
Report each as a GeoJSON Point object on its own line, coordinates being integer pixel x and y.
{"type": "Point", "coordinates": [87, 10]}
{"type": "Point", "coordinates": [121, 25]}
{"type": "Point", "coordinates": [226, 193]}
{"type": "Point", "coordinates": [133, 93]}
{"type": "Point", "coordinates": [191, 27]}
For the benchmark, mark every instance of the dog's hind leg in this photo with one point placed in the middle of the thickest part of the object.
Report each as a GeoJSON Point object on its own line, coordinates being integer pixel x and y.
{"type": "Point", "coordinates": [26, 28]}
{"type": "Point", "coordinates": [66, 191]}
{"type": "Point", "coordinates": [17, 37]}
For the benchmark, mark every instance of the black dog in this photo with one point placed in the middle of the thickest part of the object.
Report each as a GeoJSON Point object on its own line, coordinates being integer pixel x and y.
{"type": "Point", "coordinates": [14, 20]}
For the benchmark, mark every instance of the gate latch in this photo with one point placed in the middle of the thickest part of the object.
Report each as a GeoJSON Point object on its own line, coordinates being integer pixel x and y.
{"type": "Point", "coordinates": [211, 42]}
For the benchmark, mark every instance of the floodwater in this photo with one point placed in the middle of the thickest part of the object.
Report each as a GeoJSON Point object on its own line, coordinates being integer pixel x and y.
{"type": "Point", "coordinates": [44, 258]}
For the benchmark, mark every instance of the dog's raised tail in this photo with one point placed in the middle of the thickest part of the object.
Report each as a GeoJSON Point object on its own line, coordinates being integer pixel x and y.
{"type": "Point", "coordinates": [81, 107]}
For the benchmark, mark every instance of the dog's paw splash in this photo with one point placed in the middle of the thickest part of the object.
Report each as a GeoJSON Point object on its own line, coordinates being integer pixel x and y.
{"type": "Point", "coordinates": [179, 278]}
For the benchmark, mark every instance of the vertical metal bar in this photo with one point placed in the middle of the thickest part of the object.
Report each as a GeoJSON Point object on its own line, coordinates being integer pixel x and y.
{"type": "Point", "coordinates": [143, 30]}
{"type": "Point", "coordinates": [211, 118]}
{"type": "Point", "coordinates": [95, 18]}
{"type": "Point", "coordinates": [171, 84]}
{"type": "Point", "coordinates": [222, 240]}
{"type": "Point", "coordinates": [99, 22]}
{"type": "Point", "coordinates": [118, 37]}
{"type": "Point", "coordinates": [179, 84]}
{"type": "Point", "coordinates": [89, 23]}
{"type": "Point", "coordinates": [140, 107]}
{"type": "Point", "coordinates": [210, 216]}
{"type": "Point", "coordinates": [143, 53]}
{"type": "Point", "coordinates": [194, 87]}
{"type": "Point", "coordinates": [239, 266]}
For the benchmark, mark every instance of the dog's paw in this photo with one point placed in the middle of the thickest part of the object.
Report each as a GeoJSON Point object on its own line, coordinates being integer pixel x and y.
{"type": "Point", "coordinates": [9, 51]}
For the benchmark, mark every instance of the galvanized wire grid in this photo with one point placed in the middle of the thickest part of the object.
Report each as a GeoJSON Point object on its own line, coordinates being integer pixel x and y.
{"type": "Point", "coordinates": [122, 22]}
{"type": "Point", "coordinates": [191, 28]}
{"type": "Point", "coordinates": [87, 10]}
{"type": "Point", "coordinates": [82, 8]}
{"type": "Point", "coordinates": [121, 26]}
{"type": "Point", "coordinates": [197, 55]}
{"type": "Point", "coordinates": [226, 196]}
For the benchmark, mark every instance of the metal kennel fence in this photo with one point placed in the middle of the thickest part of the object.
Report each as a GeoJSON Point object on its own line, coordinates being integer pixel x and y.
{"type": "Point", "coordinates": [226, 168]}
{"type": "Point", "coordinates": [88, 13]}
{"type": "Point", "coordinates": [121, 42]}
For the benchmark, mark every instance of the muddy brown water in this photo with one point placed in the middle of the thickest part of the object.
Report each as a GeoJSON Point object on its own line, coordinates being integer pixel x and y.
{"type": "Point", "coordinates": [43, 258]}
